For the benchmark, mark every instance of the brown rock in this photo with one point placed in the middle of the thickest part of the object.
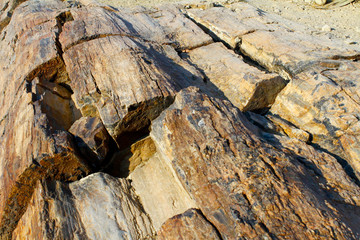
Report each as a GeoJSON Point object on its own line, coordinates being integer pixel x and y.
{"type": "Point", "coordinates": [245, 86]}
{"type": "Point", "coordinates": [146, 71]}
{"type": "Point", "coordinates": [103, 73]}
{"type": "Point", "coordinates": [159, 190]}
{"type": "Point", "coordinates": [326, 109]}
{"type": "Point", "coordinates": [162, 25]}
{"type": "Point", "coordinates": [92, 139]}
{"type": "Point", "coordinates": [188, 225]}
{"type": "Point", "coordinates": [246, 187]}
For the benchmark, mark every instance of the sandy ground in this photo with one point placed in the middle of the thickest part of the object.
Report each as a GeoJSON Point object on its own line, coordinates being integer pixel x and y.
{"type": "Point", "coordinates": [342, 22]}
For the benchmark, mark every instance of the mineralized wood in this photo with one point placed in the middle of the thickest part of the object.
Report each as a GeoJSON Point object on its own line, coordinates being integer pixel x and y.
{"type": "Point", "coordinates": [100, 72]}
{"type": "Point", "coordinates": [188, 225]}
{"type": "Point", "coordinates": [162, 25]}
{"type": "Point", "coordinates": [92, 139]}
{"type": "Point", "coordinates": [268, 39]}
{"type": "Point", "coordinates": [247, 187]}
{"type": "Point", "coordinates": [96, 207]}
{"type": "Point", "coordinates": [128, 82]}
{"type": "Point", "coordinates": [245, 86]}
{"type": "Point", "coordinates": [159, 190]}
{"type": "Point", "coordinates": [325, 105]}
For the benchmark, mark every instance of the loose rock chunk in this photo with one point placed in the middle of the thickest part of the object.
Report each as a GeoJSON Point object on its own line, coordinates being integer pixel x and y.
{"type": "Point", "coordinates": [245, 86]}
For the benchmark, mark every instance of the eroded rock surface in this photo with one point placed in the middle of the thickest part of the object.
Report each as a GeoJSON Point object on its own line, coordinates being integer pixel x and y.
{"type": "Point", "coordinates": [165, 103]}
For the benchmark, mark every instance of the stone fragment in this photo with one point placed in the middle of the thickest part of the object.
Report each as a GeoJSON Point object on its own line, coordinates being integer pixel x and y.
{"type": "Point", "coordinates": [92, 139]}
{"type": "Point", "coordinates": [96, 207]}
{"type": "Point", "coordinates": [245, 86]}
{"type": "Point", "coordinates": [159, 190]}
{"type": "Point", "coordinates": [189, 225]}
{"type": "Point", "coordinates": [247, 187]}
{"type": "Point", "coordinates": [326, 107]}
{"type": "Point", "coordinates": [128, 83]}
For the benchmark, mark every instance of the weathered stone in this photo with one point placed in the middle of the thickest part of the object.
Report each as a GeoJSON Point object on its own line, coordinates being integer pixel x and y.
{"type": "Point", "coordinates": [146, 71]}
{"type": "Point", "coordinates": [156, 184]}
{"type": "Point", "coordinates": [163, 25]}
{"type": "Point", "coordinates": [245, 86]}
{"type": "Point", "coordinates": [247, 187]}
{"type": "Point", "coordinates": [92, 139]}
{"type": "Point", "coordinates": [188, 225]}
{"type": "Point", "coordinates": [326, 109]}
{"type": "Point", "coordinates": [101, 73]}
{"type": "Point", "coordinates": [96, 207]}
{"type": "Point", "coordinates": [273, 42]}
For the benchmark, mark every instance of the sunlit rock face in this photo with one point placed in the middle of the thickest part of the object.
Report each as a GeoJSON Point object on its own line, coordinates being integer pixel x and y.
{"type": "Point", "coordinates": [181, 121]}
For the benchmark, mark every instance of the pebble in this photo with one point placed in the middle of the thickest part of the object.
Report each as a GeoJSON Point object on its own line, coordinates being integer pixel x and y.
{"type": "Point", "coordinates": [350, 42]}
{"type": "Point", "coordinates": [326, 28]}
{"type": "Point", "coordinates": [320, 2]}
{"type": "Point", "coordinates": [276, 10]}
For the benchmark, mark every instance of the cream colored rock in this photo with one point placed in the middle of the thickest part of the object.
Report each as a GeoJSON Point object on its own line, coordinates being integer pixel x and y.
{"type": "Point", "coordinates": [275, 43]}
{"type": "Point", "coordinates": [245, 86]}
{"type": "Point", "coordinates": [159, 190]}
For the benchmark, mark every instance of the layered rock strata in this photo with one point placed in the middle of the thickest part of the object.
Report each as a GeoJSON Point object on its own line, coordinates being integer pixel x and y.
{"type": "Point", "coordinates": [184, 121]}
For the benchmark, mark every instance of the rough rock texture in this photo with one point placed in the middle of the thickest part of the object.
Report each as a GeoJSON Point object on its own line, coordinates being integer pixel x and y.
{"type": "Point", "coordinates": [188, 225]}
{"type": "Point", "coordinates": [161, 108]}
{"type": "Point", "coordinates": [245, 86]}
{"type": "Point", "coordinates": [80, 209]}
{"type": "Point", "coordinates": [92, 139]}
{"type": "Point", "coordinates": [246, 187]}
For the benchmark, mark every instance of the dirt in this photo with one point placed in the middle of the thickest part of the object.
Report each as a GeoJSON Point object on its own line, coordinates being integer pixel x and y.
{"type": "Point", "coordinates": [341, 22]}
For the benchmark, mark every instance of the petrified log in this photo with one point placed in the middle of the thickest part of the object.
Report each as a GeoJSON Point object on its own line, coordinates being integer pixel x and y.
{"type": "Point", "coordinates": [145, 123]}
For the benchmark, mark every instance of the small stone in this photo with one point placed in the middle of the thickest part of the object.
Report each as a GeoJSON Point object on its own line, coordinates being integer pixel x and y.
{"type": "Point", "coordinates": [320, 2]}
{"type": "Point", "coordinates": [276, 10]}
{"type": "Point", "coordinates": [350, 41]}
{"type": "Point", "coordinates": [326, 28]}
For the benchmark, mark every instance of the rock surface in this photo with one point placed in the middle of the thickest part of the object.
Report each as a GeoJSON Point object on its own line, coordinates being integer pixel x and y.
{"type": "Point", "coordinates": [185, 121]}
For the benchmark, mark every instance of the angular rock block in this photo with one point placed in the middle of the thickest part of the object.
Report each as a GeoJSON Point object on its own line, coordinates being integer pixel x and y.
{"type": "Point", "coordinates": [245, 86]}
{"type": "Point", "coordinates": [92, 139]}
{"type": "Point", "coordinates": [128, 84]}
{"type": "Point", "coordinates": [322, 104]}
{"type": "Point", "coordinates": [159, 190]}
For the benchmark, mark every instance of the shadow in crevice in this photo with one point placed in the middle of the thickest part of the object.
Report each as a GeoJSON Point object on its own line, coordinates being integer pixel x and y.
{"type": "Point", "coordinates": [117, 163]}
